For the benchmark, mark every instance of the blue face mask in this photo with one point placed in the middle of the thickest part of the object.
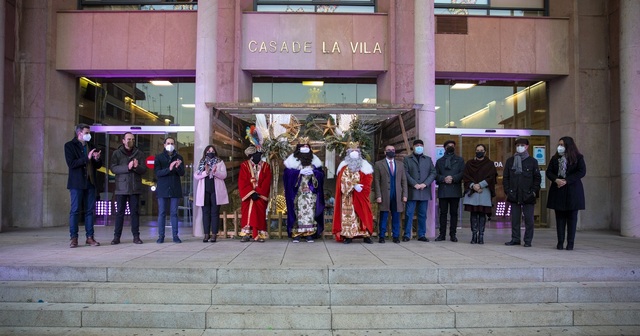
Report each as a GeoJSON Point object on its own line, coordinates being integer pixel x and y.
{"type": "Point", "coordinates": [418, 150]}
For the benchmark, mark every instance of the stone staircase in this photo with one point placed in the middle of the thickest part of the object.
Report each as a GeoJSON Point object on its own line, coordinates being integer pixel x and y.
{"type": "Point", "coordinates": [319, 301]}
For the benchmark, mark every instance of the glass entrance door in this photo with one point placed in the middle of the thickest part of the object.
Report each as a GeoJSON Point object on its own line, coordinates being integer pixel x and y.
{"type": "Point", "coordinates": [150, 141]}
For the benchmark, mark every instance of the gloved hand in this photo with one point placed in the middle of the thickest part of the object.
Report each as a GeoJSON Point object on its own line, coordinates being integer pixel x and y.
{"type": "Point", "coordinates": [255, 196]}
{"type": "Point", "coordinates": [306, 171]}
{"type": "Point", "coordinates": [358, 187]}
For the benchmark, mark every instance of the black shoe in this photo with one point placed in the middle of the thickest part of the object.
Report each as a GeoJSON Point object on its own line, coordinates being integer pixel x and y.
{"type": "Point", "coordinates": [405, 239]}
{"type": "Point", "coordinates": [213, 238]}
{"type": "Point", "coordinates": [205, 239]}
{"type": "Point", "coordinates": [527, 244]}
{"type": "Point", "coordinates": [381, 240]}
{"type": "Point", "coordinates": [160, 240]}
{"type": "Point", "coordinates": [423, 239]}
{"type": "Point", "coordinates": [347, 241]}
{"type": "Point", "coordinates": [367, 240]}
{"type": "Point", "coordinates": [454, 239]}
{"type": "Point", "coordinates": [115, 241]}
{"type": "Point", "coordinates": [511, 243]}
{"type": "Point", "coordinates": [245, 239]}
{"type": "Point", "coordinates": [177, 240]}
{"type": "Point", "coordinates": [559, 246]}
{"type": "Point", "coordinates": [440, 238]}
{"type": "Point", "coordinates": [137, 240]}
{"type": "Point", "coordinates": [396, 240]}
{"type": "Point", "coordinates": [569, 247]}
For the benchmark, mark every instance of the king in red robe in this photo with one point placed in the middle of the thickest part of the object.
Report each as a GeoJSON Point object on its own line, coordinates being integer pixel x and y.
{"type": "Point", "coordinates": [254, 185]}
{"type": "Point", "coordinates": [352, 215]}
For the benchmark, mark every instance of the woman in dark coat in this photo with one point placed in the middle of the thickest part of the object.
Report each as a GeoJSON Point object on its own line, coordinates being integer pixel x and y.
{"type": "Point", "coordinates": [566, 195]}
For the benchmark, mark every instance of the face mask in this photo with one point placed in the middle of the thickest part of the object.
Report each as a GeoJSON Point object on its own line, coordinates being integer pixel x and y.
{"type": "Point", "coordinates": [211, 155]}
{"type": "Point", "coordinates": [418, 150]}
{"type": "Point", "coordinates": [169, 148]}
{"type": "Point", "coordinates": [479, 155]}
{"type": "Point", "coordinates": [520, 149]}
{"type": "Point", "coordinates": [86, 137]}
{"type": "Point", "coordinates": [256, 157]}
{"type": "Point", "coordinates": [305, 150]}
{"type": "Point", "coordinates": [450, 149]}
{"type": "Point", "coordinates": [354, 154]}
{"type": "Point", "coordinates": [561, 150]}
{"type": "Point", "coordinates": [390, 154]}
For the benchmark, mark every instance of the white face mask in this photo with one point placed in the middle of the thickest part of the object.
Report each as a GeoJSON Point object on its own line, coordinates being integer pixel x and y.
{"type": "Point", "coordinates": [169, 148]}
{"type": "Point", "coordinates": [520, 149]}
{"type": "Point", "coordinates": [354, 154]}
{"type": "Point", "coordinates": [560, 150]}
{"type": "Point", "coordinates": [86, 137]}
{"type": "Point", "coordinates": [305, 150]}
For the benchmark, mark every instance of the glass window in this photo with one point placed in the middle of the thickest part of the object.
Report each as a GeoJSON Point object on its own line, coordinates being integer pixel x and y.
{"type": "Point", "coordinates": [317, 6]}
{"type": "Point", "coordinates": [139, 4]}
{"type": "Point", "coordinates": [492, 106]}
{"type": "Point", "coordinates": [494, 7]}
{"type": "Point", "coordinates": [314, 93]}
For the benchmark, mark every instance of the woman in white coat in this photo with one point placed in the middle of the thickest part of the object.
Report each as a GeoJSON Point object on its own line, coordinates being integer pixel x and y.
{"type": "Point", "coordinates": [211, 192]}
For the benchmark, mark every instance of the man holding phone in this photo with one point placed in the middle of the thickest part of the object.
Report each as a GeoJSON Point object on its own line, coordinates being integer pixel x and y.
{"type": "Point", "coordinates": [83, 160]}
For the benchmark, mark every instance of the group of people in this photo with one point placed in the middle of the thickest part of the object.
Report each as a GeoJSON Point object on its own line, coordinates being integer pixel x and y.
{"type": "Point", "coordinates": [397, 187]}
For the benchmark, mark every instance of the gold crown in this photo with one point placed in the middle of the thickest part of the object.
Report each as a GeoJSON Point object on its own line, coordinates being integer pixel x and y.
{"type": "Point", "coordinates": [304, 140]}
{"type": "Point", "coordinates": [353, 145]}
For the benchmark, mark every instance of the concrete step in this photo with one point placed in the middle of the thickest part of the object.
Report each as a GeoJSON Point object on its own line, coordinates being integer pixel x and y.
{"type": "Point", "coordinates": [317, 295]}
{"type": "Point", "coordinates": [318, 317]}
{"type": "Point", "coordinates": [320, 275]}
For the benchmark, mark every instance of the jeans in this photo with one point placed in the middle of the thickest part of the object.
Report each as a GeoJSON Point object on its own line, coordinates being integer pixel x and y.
{"type": "Point", "coordinates": [395, 220]}
{"type": "Point", "coordinates": [210, 213]}
{"type": "Point", "coordinates": [86, 197]}
{"type": "Point", "coordinates": [162, 215]}
{"type": "Point", "coordinates": [422, 218]}
{"type": "Point", "coordinates": [121, 202]}
{"type": "Point", "coordinates": [516, 216]}
{"type": "Point", "coordinates": [450, 206]}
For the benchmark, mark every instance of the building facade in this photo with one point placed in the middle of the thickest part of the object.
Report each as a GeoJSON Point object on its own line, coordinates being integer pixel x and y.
{"type": "Point", "coordinates": [563, 67]}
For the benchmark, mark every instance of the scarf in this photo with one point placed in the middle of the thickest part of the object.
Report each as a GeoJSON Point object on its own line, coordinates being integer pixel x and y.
{"type": "Point", "coordinates": [476, 171]}
{"type": "Point", "coordinates": [517, 162]}
{"type": "Point", "coordinates": [562, 167]}
{"type": "Point", "coordinates": [211, 162]}
{"type": "Point", "coordinates": [447, 160]}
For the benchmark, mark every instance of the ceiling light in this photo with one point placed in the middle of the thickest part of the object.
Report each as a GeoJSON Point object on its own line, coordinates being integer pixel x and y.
{"type": "Point", "coordinates": [312, 83]}
{"type": "Point", "coordinates": [189, 105]}
{"type": "Point", "coordinates": [256, 99]}
{"type": "Point", "coordinates": [161, 83]}
{"type": "Point", "coordinates": [437, 108]}
{"type": "Point", "coordinates": [462, 86]}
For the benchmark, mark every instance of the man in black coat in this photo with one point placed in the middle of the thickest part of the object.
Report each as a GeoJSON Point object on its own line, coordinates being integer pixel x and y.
{"type": "Point", "coordinates": [168, 167]}
{"type": "Point", "coordinates": [449, 169]}
{"type": "Point", "coordinates": [127, 163]}
{"type": "Point", "coordinates": [83, 160]}
{"type": "Point", "coordinates": [521, 181]}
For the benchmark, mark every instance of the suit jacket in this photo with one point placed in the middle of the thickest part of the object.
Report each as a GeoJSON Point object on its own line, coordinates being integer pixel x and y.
{"type": "Point", "coordinates": [382, 184]}
{"type": "Point", "coordinates": [78, 164]}
{"type": "Point", "coordinates": [419, 169]}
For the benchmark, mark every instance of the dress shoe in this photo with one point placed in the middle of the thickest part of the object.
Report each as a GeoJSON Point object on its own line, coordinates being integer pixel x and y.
{"type": "Point", "coordinates": [527, 244]}
{"type": "Point", "coordinates": [454, 239]}
{"type": "Point", "coordinates": [91, 241]}
{"type": "Point", "coordinates": [115, 241]}
{"type": "Point", "coordinates": [381, 240]}
{"type": "Point", "coordinates": [213, 238]}
{"type": "Point", "coordinates": [423, 239]}
{"type": "Point", "coordinates": [367, 240]}
{"type": "Point", "coordinates": [569, 247]}
{"type": "Point", "coordinates": [260, 240]}
{"type": "Point", "coordinates": [245, 239]}
{"type": "Point", "coordinates": [137, 240]}
{"type": "Point", "coordinates": [347, 241]}
{"type": "Point", "coordinates": [511, 243]}
{"type": "Point", "coordinates": [405, 239]}
{"type": "Point", "coordinates": [440, 238]}
{"type": "Point", "coordinates": [74, 242]}
{"type": "Point", "coordinates": [205, 239]}
{"type": "Point", "coordinates": [396, 240]}
{"type": "Point", "coordinates": [160, 240]}
{"type": "Point", "coordinates": [176, 240]}
{"type": "Point", "coordinates": [559, 246]}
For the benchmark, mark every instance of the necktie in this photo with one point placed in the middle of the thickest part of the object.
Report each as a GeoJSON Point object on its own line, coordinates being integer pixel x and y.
{"type": "Point", "coordinates": [391, 166]}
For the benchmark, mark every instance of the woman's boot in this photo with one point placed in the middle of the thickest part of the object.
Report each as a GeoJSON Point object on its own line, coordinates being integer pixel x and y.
{"type": "Point", "coordinates": [482, 220]}
{"type": "Point", "coordinates": [474, 228]}
{"type": "Point", "coordinates": [205, 239]}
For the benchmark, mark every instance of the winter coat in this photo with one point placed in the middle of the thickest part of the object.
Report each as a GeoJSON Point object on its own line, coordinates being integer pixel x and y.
{"type": "Point", "coordinates": [78, 164]}
{"type": "Point", "coordinates": [571, 196]}
{"type": "Point", "coordinates": [128, 182]}
{"type": "Point", "coordinates": [455, 170]}
{"type": "Point", "coordinates": [222, 196]}
{"type": "Point", "coordinates": [419, 170]}
{"type": "Point", "coordinates": [168, 180]}
{"type": "Point", "coordinates": [382, 184]}
{"type": "Point", "coordinates": [522, 188]}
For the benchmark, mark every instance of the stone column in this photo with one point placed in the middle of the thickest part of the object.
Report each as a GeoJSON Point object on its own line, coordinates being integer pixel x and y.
{"type": "Point", "coordinates": [424, 86]}
{"type": "Point", "coordinates": [2, 103]}
{"type": "Point", "coordinates": [206, 83]}
{"type": "Point", "coordinates": [629, 116]}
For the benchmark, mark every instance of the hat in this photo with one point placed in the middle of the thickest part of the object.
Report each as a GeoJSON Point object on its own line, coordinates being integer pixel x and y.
{"type": "Point", "coordinates": [522, 141]}
{"type": "Point", "coordinates": [418, 142]}
{"type": "Point", "coordinates": [449, 142]}
{"type": "Point", "coordinates": [250, 150]}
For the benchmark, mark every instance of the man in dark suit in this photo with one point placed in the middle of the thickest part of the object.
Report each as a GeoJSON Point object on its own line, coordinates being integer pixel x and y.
{"type": "Point", "coordinates": [390, 187]}
{"type": "Point", "coordinates": [83, 160]}
{"type": "Point", "coordinates": [420, 174]}
{"type": "Point", "coordinates": [449, 170]}
{"type": "Point", "coordinates": [169, 168]}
